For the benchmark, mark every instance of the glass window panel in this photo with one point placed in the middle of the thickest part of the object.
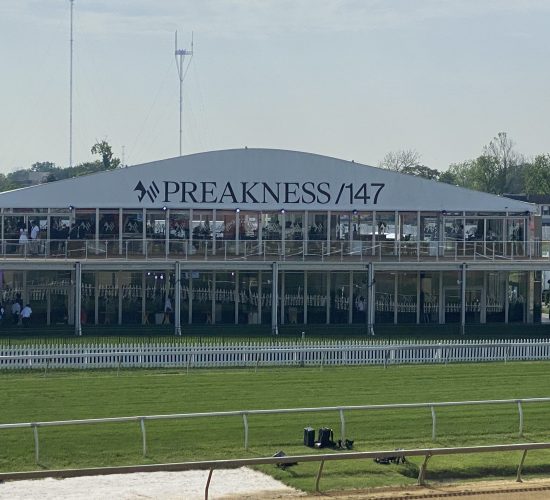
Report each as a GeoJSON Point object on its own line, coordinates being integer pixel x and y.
{"type": "Point", "coordinates": [294, 297]}
{"type": "Point", "coordinates": [108, 224]}
{"type": "Point", "coordinates": [272, 226]}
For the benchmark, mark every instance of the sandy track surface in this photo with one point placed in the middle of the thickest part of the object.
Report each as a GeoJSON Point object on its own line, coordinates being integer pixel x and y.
{"type": "Point", "coordinates": [246, 484]}
{"type": "Point", "coordinates": [486, 490]}
{"type": "Point", "coordinates": [188, 485]}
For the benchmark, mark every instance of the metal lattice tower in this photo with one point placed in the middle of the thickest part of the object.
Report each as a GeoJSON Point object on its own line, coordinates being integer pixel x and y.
{"type": "Point", "coordinates": [180, 56]}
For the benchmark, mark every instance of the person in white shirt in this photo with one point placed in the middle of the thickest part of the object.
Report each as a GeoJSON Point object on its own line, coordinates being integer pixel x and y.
{"type": "Point", "coordinates": [35, 233]}
{"type": "Point", "coordinates": [26, 315]}
{"type": "Point", "coordinates": [167, 310]}
{"type": "Point", "coordinates": [15, 312]}
{"type": "Point", "coordinates": [23, 240]}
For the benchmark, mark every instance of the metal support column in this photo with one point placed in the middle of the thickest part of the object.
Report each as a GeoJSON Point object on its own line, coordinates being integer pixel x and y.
{"type": "Point", "coordinates": [351, 298]}
{"type": "Point", "coordinates": [463, 299]}
{"type": "Point", "coordinates": [371, 298]}
{"type": "Point", "coordinates": [77, 298]}
{"type": "Point", "coordinates": [177, 298]}
{"type": "Point", "coordinates": [395, 297]}
{"type": "Point", "coordinates": [237, 293]}
{"type": "Point", "coordinates": [274, 298]}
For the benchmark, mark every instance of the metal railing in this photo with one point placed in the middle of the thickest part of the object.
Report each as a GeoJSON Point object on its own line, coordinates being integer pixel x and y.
{"type": "Point", "coordinates": [244, 414]}
{"type": "Point", "coordinates": [230, 249]}
{"type": "Point", "coordinates": [212, 465]}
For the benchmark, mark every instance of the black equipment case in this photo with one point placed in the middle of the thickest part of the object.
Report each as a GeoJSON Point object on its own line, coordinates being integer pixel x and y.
{"type": "Point", "coordinates": [309, 437]}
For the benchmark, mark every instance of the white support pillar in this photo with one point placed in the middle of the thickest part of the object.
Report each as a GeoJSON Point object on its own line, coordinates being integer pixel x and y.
{"type": "Point", "coordinates": [371, 299]}
{"type": "Point", "coordinates": [418, 285]}
{"type": "Point", "coordinates": [177, 298]}
{"type": "Point", "coordinates": [48, 307]}
{"type": "Point", "coordinates": [96, 298]}
{"type": "Point", "coordinates": [190, 297]}
{"type": "Point", "coordinates": [506, 298]}
{"type": "Point", "coordinates": [374, 227]}
{"type": "Point", "coordinates": [350, 298]}
{"type": "Point", "coordinates": [143, 297]}
{"type": "Point", "coordinates": [463, 299]}
{"type": "Point", "coordinates": [167, 233]}
{"type": "Point", "coordinates": [96, 232]}
{"type": "Point", "coordinates": [119, 288]}
{"type": "Point", "coordinates": [483, 301]}
{"type": "Point", "coordinates": [327, 294]}
{"type": "Point", "coordinates": [77, 298]}
{"type": "Point", "coordinates": [442, 305]}
{"type": "Point", "coordinates": [259, 308]}
{"type": "Point", "coordinates": [144, 232]}
{"type": "Point", "coordinates": [120, 231]}
{"type": "Point", "coordinates": [282, 301]}
{"type": "Point", "coordinates": [274, 298]}
{"type": "Point", "coordinates": [237, 297]}
{"type": "Point", "coordinates": [305, 297]}
{"type": "Point", "coordinates": [213, 299]}
{"type": "Point", "coordinates": [395, 297]}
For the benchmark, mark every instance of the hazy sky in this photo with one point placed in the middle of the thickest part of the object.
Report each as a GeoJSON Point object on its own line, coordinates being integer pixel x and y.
{"type": "Point", "coordinates": [352, 79]}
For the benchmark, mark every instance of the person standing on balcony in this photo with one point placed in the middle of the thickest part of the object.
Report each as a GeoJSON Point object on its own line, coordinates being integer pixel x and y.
{"type": "Point", "coordinates": [23, 240]}
{"type": "Point", "coordinates": [35, 233]}
{"type": "Point", "coordinates": [26, 315]}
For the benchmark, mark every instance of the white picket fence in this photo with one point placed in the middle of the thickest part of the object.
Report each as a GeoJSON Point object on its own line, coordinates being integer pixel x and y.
{"type": "Point", "coordinates": [298, 353]}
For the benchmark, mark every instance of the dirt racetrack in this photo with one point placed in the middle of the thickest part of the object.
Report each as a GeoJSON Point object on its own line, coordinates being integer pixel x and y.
{"type": "Point", "coordinates": [246, 484]}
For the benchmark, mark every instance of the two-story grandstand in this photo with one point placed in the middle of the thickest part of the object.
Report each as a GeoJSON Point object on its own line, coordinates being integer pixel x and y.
{"type": "Point", "coordinates": [273, 237]}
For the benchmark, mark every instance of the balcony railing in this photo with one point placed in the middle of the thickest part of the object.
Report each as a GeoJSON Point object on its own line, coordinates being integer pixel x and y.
{"type": "Point", "coordinates": [269, 250]}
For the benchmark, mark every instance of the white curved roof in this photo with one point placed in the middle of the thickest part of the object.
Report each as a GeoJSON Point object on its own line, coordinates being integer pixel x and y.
{"type": "Point", "coordinates": [257, 179]}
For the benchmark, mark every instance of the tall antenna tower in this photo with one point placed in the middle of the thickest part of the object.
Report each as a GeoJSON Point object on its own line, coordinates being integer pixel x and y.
{"type": "Point", "coordinates": [180, 56]}
{"type": "Point", "coordinates": [71, 92]}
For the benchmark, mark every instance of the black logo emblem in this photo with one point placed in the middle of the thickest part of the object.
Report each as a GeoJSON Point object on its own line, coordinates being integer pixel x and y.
{"type": "Point", "coordinates": [152, 191]}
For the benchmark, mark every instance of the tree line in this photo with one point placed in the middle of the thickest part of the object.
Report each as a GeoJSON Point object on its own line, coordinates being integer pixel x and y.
{"type": "Point", "coordinates": [51, 172]}
{"type": "Point", "coordinates": [500, 169]}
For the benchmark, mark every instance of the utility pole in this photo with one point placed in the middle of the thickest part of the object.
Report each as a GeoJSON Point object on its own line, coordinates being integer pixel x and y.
{"type": "Point", "coordinates": [180, 56]}
{"type": "Point", "coordinates": [71, 92]}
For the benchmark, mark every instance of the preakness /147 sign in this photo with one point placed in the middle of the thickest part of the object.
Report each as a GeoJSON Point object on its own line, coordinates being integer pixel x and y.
{"type": "Point", "coordinates": [260, 193]}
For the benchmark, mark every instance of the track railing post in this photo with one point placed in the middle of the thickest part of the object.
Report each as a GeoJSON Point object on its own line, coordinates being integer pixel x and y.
{"type": "Point", "coordinates": [520, 412]}
{"type": "Point", "coordinates": [342, 425]}
{"type": "Point", "coordinates": [422, 473]}
{"type": "Point", "coordinates": [319, 472]}
{"type": "Point", "coordinates": [434, 423]}
{"type": "Point", "coordinates": [208, 484]}
{"type": "Point", "coordinates": [143, 435]}
{"type": "Point", "coordinates": [245, 423]}
{"type": "Point", "coordinates": [36, 443]}
{"type": "Point", "coordinates": [520, 467]}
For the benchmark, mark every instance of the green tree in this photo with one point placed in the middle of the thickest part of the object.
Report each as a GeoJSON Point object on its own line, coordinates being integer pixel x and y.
{"type": "Point", "coordinates": [399, 160]}
{"type": "Point", "coordinates": [506, 161]}
{"type": "Point", "coordinates": [422, 171]}
{"type": "Point", "coordinates": [537, 175]}
{"type": "Point", "coordinates": [104, 150]}
{"type": "Point", "coordinates": [43, 166]}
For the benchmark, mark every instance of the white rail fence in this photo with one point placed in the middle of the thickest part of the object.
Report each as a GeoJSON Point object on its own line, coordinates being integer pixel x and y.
{"type": "Point", "coordinates": [212, 465]}
{"type": "Point", "coordinates": [298, 353]}
{"type": "Point", "coordinates": [244, 414]}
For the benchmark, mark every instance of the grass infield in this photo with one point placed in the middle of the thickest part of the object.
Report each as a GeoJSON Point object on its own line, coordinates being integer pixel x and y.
{"type": "Point", "coordinates": [63, 395]}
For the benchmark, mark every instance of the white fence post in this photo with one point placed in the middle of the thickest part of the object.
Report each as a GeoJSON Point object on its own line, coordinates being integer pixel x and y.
{"type": "Point", "coordinates": [143, 435]}
{"type": "Point", "coordinates": [434, 423]}
{"type": "Point", "coordinates": [245, 422]}
{"type": "Point", "coordinates": [342, 425]}
{"type": "Point", "coordinates": [520, 411]}
{"type": "Point", "coordinates": [36, 444]}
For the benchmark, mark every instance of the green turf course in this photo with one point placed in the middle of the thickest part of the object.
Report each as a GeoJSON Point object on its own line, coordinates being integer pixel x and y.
{"type": "Point", "coordinates": [61, 395]}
